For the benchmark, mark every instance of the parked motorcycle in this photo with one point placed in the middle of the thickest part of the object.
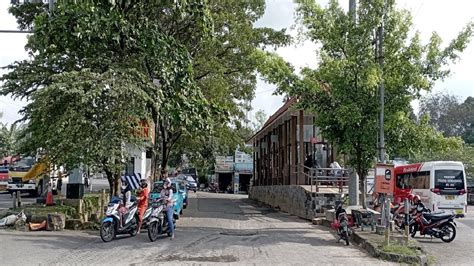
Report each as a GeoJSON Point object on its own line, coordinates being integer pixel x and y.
{"type": "Point", "coordinates": [116, 223]}
{"type": "Point", "coordinates": [341, 222]}
{"type": "Point", "coordinates": [440, 225]}
{"type": "Point", "coordinates": [158, 221]}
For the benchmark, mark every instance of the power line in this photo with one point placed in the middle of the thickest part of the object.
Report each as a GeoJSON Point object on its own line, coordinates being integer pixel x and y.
{"type": "Point", "coordinates": [16, 31]}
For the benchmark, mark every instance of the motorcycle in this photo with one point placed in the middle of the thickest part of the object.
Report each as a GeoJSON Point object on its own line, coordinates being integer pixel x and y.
{"type": "Point", "coordinates": [440, 225]}
{"type": "Point", "coordinates": [341, 222]}
{"type": "Point", "coordinates": [158, 221]}
{"type": "Point", "coordinates": [116, 223]}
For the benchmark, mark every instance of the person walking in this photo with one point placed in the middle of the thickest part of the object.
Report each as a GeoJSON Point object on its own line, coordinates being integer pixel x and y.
{"type": "Point", "coordinates": [142, 197]}
{"type": "Point", "coordinates": [167, 195]}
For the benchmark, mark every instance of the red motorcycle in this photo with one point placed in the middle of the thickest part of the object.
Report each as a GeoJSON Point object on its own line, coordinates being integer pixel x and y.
{"type": "Point", "coordinates": [439, 225]}
{"type": "Point", "coordinates": [341, 222]}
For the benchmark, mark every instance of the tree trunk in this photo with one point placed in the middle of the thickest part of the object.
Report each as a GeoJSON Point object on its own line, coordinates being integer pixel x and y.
{"type": "Point", "coordinates": [110, 178]}
{"type": "Point", "coordinates": [116, 184]}
{"type": "Point", "coordinates": [155, 149]}
{"type": "Point", "coordinates": [362, 187]}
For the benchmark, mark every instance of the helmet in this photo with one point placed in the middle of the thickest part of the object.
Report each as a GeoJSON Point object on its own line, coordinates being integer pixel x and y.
{"type": "Point", "coordinates": [416, 198]}
{"type": "Point", "coordinates": [167, 183]}
{"type": "Point", "coordinates": [143, 182]}
{"type": "Point", "coordinates": [125, 186]}
{"type": "Point", "coordinates": [410, 197]}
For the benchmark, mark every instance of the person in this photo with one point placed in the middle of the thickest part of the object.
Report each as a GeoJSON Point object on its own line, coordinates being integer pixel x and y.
{"type": "Point", "coordinates": [143, 196]}
{"type": "Point", "coordinates": [167, 195]}
{"type": "Point", "coordinates": [59, 184]}
{"type": "Point", "coordinates": [126, 199]}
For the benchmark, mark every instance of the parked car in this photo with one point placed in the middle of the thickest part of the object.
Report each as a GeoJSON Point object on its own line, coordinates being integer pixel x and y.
{"type": "Point", "coordinates": [184, 192]}
{"type": "Point", "coordinates": [178, 191]}
{"type": "Point", "coordinates": [189, 181]}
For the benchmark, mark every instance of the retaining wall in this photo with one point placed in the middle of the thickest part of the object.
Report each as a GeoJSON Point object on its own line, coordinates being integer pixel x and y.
{"type": "Point", "coordinates": [294, 200]}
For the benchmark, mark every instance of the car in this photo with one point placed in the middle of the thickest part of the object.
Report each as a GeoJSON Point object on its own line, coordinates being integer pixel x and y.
{"type": "Point", "coordinates": [177, 197]}
{"type": "Point", "coordinates": [185, 193]}
{"type": "Point", "coordinates": [189, 181]}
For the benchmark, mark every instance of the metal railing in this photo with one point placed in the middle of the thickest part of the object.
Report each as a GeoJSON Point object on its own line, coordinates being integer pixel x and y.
{"type": "Point", "coordinates": [327, 177]}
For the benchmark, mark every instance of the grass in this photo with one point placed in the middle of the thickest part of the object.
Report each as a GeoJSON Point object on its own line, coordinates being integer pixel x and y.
{"type": "Point", "coordinates": [39, 209]}
{"type": "Point", "coordinates": [400, 249]}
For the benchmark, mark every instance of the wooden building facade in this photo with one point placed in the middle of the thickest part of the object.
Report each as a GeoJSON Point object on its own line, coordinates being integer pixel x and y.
{"type": "Point", "coordinates": [283, 145]}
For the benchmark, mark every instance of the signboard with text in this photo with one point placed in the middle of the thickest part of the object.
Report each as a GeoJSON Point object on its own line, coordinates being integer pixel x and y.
{"type": "Point", "coordinates": [384, 178]}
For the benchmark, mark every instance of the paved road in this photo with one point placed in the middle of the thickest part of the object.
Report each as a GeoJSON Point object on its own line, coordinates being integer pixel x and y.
{"type": "Point", "coordinates": [7, 202]}
{"type": "Point", "coordinates": [458, 252]}
{"type": "Point", "coordinates": [216, 228]}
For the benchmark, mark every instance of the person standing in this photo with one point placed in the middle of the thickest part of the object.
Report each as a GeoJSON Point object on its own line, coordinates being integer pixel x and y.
{"type": "Point", "coordinates": [59, 184]}
{"type": "Point", "coordinates": [143, 196]}
{"type": "Point", "coordinates": [167, 195]}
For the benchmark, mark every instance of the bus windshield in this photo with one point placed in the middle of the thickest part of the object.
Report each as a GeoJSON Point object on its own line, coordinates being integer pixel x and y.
{"type": "Point", "coordinates": [449, 179]}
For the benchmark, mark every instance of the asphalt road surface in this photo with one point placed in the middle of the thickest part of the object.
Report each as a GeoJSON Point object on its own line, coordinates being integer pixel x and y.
{"type": "Point", "coordinates": [215, 228]}
{"type": "Point", "coordinates": [458, 252]}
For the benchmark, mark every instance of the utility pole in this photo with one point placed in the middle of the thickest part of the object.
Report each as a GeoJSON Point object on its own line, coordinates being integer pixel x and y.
{"type": "Point", "coordinates": [380, 57]}
{"type": "Point", "coordinates": [353, 177]}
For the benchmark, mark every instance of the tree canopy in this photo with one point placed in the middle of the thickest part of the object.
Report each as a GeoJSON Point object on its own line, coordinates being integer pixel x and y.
{"type": "Point", "coordinates": [343, 89]}
{"type": "Point", "coordinates": [105, 65]}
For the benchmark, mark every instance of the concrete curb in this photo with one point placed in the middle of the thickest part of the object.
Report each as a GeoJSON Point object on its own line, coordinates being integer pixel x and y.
{"type": "Point", "coordinates": [373, 250]}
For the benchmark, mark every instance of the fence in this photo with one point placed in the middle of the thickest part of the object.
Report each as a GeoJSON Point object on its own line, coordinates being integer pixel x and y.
{"type": "Point", "coordinates": [328, 177]}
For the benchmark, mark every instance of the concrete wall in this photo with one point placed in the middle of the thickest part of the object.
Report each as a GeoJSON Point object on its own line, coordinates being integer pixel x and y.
{"type": "Point", "coordinates": [294, 200]}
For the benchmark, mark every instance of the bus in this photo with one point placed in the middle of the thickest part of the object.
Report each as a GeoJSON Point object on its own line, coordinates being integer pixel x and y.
{"type": "Point", "coordinates": [441, 185]}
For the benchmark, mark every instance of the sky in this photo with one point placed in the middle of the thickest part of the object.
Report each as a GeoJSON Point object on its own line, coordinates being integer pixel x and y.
{"type": "Point", "coordinates": [447, 18]}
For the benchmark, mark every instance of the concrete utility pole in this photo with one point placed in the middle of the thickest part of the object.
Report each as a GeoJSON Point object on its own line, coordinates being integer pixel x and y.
{"type": "Point", "coordinates": [353, 177]}
{"type": "Point", "coordinates": [380, 57]}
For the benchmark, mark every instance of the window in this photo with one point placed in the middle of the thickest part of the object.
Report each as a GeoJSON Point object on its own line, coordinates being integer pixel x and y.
{"type": "Point", "coordinates": [416, 180]}
{"type": "Point", "coordinates": [449, 179]}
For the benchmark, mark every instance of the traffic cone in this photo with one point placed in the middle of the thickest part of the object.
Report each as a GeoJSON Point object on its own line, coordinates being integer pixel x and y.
{"type": "Point", "coordinates": [49, 197]}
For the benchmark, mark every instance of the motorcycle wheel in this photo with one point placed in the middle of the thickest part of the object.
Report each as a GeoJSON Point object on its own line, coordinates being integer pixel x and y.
{"type": "Point", "coordinates": [107, 231]}
{"type": "Point", "coordinates": [413, 228]}
{"type": "Point", "coordinates": [154, 231]}
{"type": "Point", "coordinates": [345, 236]}
{"type": "Point", "coordinates": [450, 230]}
{"type": "Point", "coordinates": [134, 231]}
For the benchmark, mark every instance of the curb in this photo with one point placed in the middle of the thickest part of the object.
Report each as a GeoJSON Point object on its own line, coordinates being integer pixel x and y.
{"type": "Point", "coordinates": [374, 251]}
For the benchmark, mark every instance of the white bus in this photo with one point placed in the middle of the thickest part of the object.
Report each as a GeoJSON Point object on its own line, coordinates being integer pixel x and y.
{"type": "Point", "coordinates": [441, 185]}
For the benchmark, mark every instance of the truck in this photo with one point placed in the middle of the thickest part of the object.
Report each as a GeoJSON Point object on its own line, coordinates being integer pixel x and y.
{"type": "Point", "coordinates": [26, 175]}
{"type": "Point", "coordinates": [3, 177]}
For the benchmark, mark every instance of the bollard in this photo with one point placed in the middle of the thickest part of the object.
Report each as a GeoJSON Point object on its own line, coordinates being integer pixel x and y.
{"type": "Point", "coordinates": [19, 199]}
{"type": "Point", "coordinates": [387, 222]}
{"type": "Point", "coordinates": [14, 199]}
{"type": "Point", "coordinates": [407, 220]}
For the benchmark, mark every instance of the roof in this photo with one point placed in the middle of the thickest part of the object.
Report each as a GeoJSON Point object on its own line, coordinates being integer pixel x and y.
{"type": "Point", "coordinates": [280, 112]}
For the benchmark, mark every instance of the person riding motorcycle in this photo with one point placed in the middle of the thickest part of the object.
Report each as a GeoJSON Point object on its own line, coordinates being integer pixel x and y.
{"type": "Point", "coordinates": [142, 197]}
{"type": "Point", "coordinates": [167, 194]}
{"type": "Point", "coordinates": [126, 198]}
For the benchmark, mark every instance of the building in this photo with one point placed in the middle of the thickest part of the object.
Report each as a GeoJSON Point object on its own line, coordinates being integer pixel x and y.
{"type": "Point", "coordinates": [284, 143]}
{"type": "Point", "coordinates": [234, 171]}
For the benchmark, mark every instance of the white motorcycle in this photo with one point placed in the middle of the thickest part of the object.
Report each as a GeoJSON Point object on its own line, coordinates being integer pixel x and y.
{"type": "Point", "coordinates": [117, 223]}
{"type": "Point", "coordinates": [158, 222]}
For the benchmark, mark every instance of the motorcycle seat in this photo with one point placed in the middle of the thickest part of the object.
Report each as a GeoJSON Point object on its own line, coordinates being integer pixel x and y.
{"type": "Point", "coordinates": [436, 216]}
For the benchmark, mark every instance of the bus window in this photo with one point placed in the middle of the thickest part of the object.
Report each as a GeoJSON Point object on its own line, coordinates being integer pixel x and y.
{"type": "Point", "coordinates": [403, 181]}
{"type": "Point", "coordinates": [449, 179]}
{"type": "Point", "coordinates": [417, 180]}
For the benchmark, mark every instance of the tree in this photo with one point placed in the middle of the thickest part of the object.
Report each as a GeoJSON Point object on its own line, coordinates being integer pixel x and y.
{"type": "Point", "coordinates": [226, 72]}
{"type": "Point", "coordinates": [450, 116]}
{"type": "Point", "coordinates": [86, 52]}
{"type": "Point", "coordinates": [9, 139]}
{"type": "Point", "coordinates": [342, 90]}
{"type": "Point", "coordinates": [261, 118]}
